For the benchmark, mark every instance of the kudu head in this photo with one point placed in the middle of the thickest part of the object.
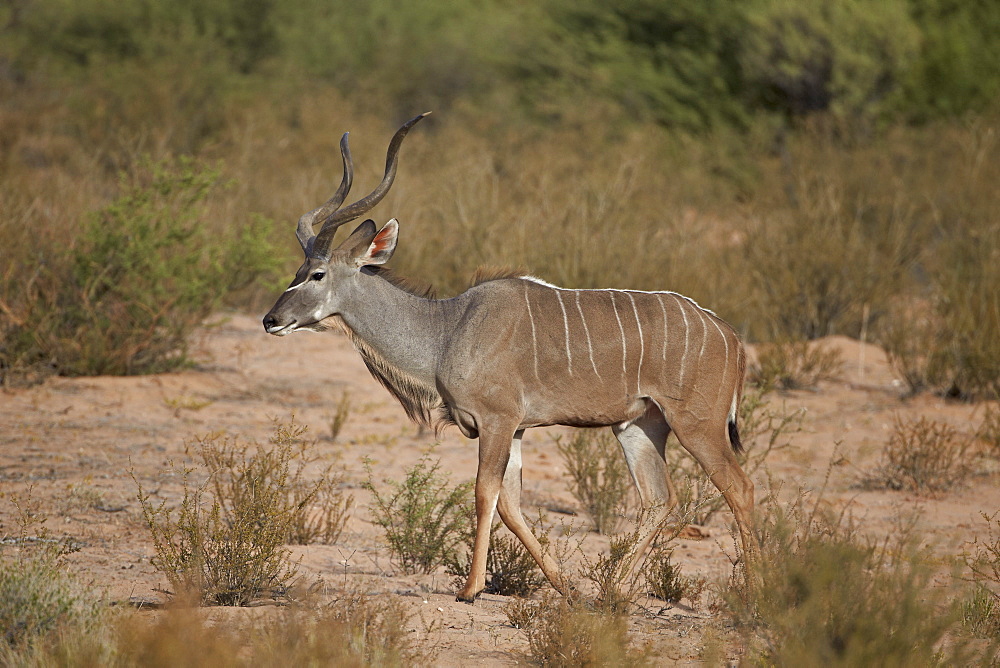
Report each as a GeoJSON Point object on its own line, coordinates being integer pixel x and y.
{"type": "Point", "coordinates": [328, 273]}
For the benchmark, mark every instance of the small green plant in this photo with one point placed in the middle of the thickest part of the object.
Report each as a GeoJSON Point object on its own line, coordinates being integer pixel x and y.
{"type": "Point", "coordinates": [922, 455]}
{"type": "Point", "coordinates": [224, 544]}
{"type": "Point", "coordinates": [794, 364]}
{"type": "Point", "coordinates": [37, 596]}
{"type": "Point", "coordinates": [981, 613]}
{"type": "Point", "coordinates": [424, 521]}
{"type": "Point", "coordinates": [665, 581]}
{"type": "Point", "coordinates": [598, 475]}
{"type": "Point", "coordinates": [617, 584]}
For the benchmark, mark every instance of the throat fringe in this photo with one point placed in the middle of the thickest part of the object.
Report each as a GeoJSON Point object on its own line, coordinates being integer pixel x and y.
{"type": "Point", "coordinates": [417, 399]}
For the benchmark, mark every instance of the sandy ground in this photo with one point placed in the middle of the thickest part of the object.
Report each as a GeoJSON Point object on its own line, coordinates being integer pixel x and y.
{"type": "Point", "coordinates": [74, 442]}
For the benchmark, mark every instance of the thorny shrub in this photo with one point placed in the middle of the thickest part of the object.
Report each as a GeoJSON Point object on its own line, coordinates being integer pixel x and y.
{"type": "Point", "coordinates": [922, 455]}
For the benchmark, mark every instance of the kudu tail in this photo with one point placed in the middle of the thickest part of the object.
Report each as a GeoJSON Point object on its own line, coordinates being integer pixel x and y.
{"type": "Point", "coordinates": [734, 436]}
{"type": "Point", "coordinates": [734, 432]}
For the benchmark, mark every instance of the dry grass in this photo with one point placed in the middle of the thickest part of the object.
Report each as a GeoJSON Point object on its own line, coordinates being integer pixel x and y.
{"type": "Point", "coordinates": [790, 365]}
{"type": "Point", "coordinates": [561, 632]}
{"type": "Point", "coordinates": [830, 596]}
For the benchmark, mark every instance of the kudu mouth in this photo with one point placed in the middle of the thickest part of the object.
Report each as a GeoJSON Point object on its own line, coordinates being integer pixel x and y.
{"type": "Point", "coordinates": [272, 326]}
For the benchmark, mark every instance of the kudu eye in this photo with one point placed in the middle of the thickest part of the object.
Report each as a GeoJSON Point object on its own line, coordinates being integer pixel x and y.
{"type": "Point", "coordinates": [317, 276]}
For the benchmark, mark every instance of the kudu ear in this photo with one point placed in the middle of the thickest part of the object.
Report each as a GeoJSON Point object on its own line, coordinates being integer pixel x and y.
{"type": "Point", "coordinates": [382, 245]}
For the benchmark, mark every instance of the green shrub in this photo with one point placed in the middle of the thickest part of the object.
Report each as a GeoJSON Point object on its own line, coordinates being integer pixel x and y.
{"type": "Point", "coordinates": [598, 475]}
{"type": "Point", "coordinates": [424, 521]}
{"type": "Point", "coordinates": [665, 580]}
{"type": "Point", "coordinates": [225, 542]}
{"type": "Point", "coordinates": [143, 275]}
{"type": "Point", "coordinates": [845, 57]}
{"type": "Point", "coordinates": [38, 597]}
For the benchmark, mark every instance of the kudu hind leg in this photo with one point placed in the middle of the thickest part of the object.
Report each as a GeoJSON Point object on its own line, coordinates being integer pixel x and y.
{"type": "Point", "coordinates": [509, 507]}
{"type": "Point", "coordinates": [708, 443]}
{"type": "Point", "coordinates": [643, 442]}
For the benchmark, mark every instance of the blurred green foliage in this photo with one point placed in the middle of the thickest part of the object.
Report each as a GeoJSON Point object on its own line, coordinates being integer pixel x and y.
{"type": "Point", "coordinates": [693, 65]}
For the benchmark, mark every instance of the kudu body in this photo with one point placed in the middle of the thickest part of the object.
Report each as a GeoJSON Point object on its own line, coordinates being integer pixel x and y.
{"type": "Point", "coordinates": [515, 352]}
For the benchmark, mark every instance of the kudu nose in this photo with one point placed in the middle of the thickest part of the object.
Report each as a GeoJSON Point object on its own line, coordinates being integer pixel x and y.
{"type": "Point", "coordinates": [269, 322]}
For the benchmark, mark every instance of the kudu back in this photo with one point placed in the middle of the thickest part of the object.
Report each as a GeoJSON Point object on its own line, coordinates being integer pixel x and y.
{"type": "Point", "coordinates": [516, 352]}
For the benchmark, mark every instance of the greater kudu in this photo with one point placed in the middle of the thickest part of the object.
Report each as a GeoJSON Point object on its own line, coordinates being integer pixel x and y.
{"type": "Point", "coordinates": [516, 352]}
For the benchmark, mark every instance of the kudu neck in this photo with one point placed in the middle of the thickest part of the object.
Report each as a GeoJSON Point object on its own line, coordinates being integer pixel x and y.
{"type": "Point", "coordinates": [403, 328]}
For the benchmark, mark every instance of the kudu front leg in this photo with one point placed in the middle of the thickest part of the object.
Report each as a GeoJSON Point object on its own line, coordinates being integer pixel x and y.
{"type": "Point", "coordinates": [494, 453]}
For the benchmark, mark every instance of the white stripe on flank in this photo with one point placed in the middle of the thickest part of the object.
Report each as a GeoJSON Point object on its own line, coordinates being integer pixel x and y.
{"type": "Point", "coordinates": [687, 332]}
{"type": "Point", "coordinates": [664, 309]}
{"type": "Point", "coordinates": [622, 330]}
{"type": "Point", "coordinates": [586, 330]}
{"type": "Point", "coordinates": [725, 367]}
{"type": "Point", "coordinates": [569, 355]}
{"type": "Point", "coordinates": [642, 345]}
{"type": "Point", "coordinates": [534, 337]}
{"type": "Point", "coordinates": [704, 332]}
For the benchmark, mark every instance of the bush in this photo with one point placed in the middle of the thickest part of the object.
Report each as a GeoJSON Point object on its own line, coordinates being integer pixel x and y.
{"type": "Point", "coordinates": [844, 57]}
{"type": "Point", "coordinates": [142, 276]}
{"type": "Point", "coordinates": [510, 569]}
{"type": "Point", "coordinates": [424, 522]}
{"type": "Point", "coordinates": [922, 455]}
{"type": "Point", "coordinates": [37, 597]}
{"type": "Point", "coordinates": [981, 610]}
{"type": "Point", "coordinates": [789, 365]}
{"type": "Point", "coordinates": [225, 544]}
{"type": "Point", "coordinates": [665, 580]}
{"type": "Point", "coordinates": [561, 632]}
{"type": "Point", "coordinates": [828, 597]}
{"type": "Point", "coordinates": [599, 477]}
